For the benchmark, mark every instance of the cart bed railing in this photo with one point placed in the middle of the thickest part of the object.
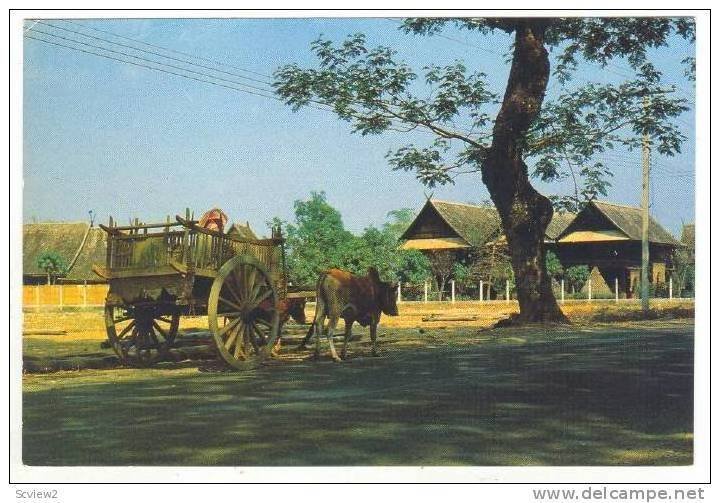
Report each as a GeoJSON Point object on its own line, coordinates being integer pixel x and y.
{"type": "Point", "coordinates": [149, 248]}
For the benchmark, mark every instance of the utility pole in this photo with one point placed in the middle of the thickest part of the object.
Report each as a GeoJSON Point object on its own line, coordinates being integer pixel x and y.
{"type": "Point", "coordinates": [645, 204]}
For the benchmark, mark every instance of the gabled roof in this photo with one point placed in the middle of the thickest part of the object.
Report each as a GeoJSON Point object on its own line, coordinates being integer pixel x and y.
{"type": "Point", "coordinates": [626, 219]}
{"type": "Point", "coordinates": [475, 224]}
{"type": "Point", "coordinates": [244, 231]}
{"type": "Point", "coordinates": [479, 225]}
{"type": "Point", "coordinates": [558, 224]}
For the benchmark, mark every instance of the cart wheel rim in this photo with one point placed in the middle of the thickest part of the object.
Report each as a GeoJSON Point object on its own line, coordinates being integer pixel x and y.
{"type": "Point", "coordinates": [242, 313]}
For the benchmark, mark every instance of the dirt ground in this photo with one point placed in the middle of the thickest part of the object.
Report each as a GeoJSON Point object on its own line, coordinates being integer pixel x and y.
{"type": "Point", "coordinates": [89, 324]}
{"type": "Point", "coordinates": [440, 393]}
{"type": "Point", "coordinates": [72, 340]}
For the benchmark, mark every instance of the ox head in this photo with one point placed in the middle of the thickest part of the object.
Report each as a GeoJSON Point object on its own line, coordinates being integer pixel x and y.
{"type": "Point", "coordinates": [387, 293]}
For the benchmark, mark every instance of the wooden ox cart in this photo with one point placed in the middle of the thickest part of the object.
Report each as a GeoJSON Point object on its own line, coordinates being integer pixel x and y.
{"type": "Point", "coordinates": [159, 272]}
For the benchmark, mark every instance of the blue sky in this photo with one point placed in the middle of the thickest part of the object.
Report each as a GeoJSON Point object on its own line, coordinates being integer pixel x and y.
{"type": "Point", "coordinates": [131, 142]}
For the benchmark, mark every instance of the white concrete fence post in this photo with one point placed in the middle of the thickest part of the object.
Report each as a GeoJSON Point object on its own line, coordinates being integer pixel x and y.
{"type": "Point", "coordinates": [426, 291]}
{"type": "Point", "coordinates": [562, 291]}
{"type": "Point", "coordinates": [399, 299]}
{"type": "Point", "coordinates": [481, 290]}
{"type": "Point", "coordinates": [670, 291]}
{"type": "Point", "coordinates": [452, 290]}
{"type": "Point", "coordinates": [589, 288]}
{"type": "Point", "coordinates": [617, 291]}
{"type": "Point", "coordinates": [507, 291]}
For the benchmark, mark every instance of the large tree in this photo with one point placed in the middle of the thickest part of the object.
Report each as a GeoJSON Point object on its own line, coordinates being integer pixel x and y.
{"type": "Point", "coordinates": [375, 93]}
{"type": "Point", "coordinates": [317, 240]}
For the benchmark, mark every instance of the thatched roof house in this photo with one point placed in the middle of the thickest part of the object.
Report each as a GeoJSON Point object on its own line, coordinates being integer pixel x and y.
{"type": "Point", "coordinates": [601, 221]}
{"type": "Point", "coordinates": [609, 236]}
{"type": "Point", "coordinates": [443, 225]}
{"type": "Point", "coordinates": [79, 244]}
{"type": "Point", "coordinates": [605, 236]}
{"type": "Point", "coordinates": [448, 225]}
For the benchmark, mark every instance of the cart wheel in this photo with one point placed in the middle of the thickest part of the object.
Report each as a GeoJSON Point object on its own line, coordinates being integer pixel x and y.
{"type": "Point", "coordinates": [242, 312]}
{"type": "Point", "coordinates": [140, 336]}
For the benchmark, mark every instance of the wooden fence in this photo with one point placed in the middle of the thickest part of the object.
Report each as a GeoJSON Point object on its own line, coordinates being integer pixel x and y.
{"type": "Point", "coordinates": [59, 296]}
{"type": "Point", "coordinates": [425, 293]}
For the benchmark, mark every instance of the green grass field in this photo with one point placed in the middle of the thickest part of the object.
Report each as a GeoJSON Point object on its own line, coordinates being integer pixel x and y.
{"type": "Point", "coordinates": [584, 395]}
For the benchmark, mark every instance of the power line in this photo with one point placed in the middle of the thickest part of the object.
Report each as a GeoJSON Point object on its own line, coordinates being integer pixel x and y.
{"type": "Point", "coordinates": [220, 63]}
{"type": "Point", "coordinates": [327, 108]}
{"type": "Point", "coordinates": [322, 105]}
{"type": "Point", "coordinates": [251, 86]}
{"type": "Point", "coordinates": [209, 60]}
{"type": "Point", "coordinates": [149, 67]}
{"type": "Point", "coordinates": [155, 53]}
{"type": "Point", "coordinates": [461, 127]}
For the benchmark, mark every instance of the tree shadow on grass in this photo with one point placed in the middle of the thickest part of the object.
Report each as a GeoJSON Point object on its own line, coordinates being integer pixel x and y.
{"type": "Point", "coordinates": [591, 400]}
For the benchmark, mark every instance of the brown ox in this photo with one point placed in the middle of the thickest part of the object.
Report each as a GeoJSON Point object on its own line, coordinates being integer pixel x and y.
{"type": "Point", "coordinates": [341, 294]}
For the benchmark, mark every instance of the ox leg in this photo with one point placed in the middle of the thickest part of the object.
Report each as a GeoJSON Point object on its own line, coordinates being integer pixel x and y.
{"type": "Point", "coordinates": [318, 327]}
{"type": "Point", "coordinates": [332, 323]}
{"type": "Point", "coordinates": [308, 336]}
{"type": "Point", "coordinates": [318, 333]}
{"type": "Point", "coordinates": [373, 337]}
{"type": "Point", "coordinates": [276, 348]}
{"type": "Point", "coordinates": [348, 338]}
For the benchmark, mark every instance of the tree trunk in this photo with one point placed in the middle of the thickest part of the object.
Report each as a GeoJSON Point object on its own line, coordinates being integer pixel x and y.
{"type": "Point", "coordinates": [442, 283]}
{"type": "Point", "coordinates": [524, 212]}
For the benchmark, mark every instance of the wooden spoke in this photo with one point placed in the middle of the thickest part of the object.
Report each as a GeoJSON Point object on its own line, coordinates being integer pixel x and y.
{"type": "Point", "coordinates": [234, 281]}
{"type": "Point", "coordinates": [222, 331]}
{"type": "Point", "coordinates": [125, 330]}
{"type": "Point", "coordinates": [259, 333]}
{"type": "Point", "coordinates": [254, 292]}
{"type": "Point", "coordinates": [160, 330]}
{"type": "Point", "coordinates": [258, 299]}
{"type": "Point", "coordinates": [263, 322]}
{"type": "Point", "coordinates": [251, 281]}
{"type": "Point", "coordinates": [231, 304]}
{"type": "Point", "coordinates": [246, 339]}
{"type": "Point", "coordinates": [239, 347]}
{"type": "Point", "coordinates": [251, 338]}
{"type": "Point", "coordinates": [153, 339]}
{"type": "Point", "coordinates": [232, 338]}
{"type": "Point", "coordinates": [233, 291]}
